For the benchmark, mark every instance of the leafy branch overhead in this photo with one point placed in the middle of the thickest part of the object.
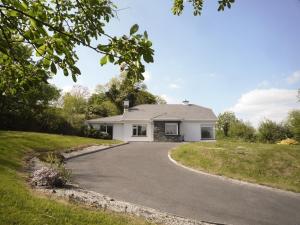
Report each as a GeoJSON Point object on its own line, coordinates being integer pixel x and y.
{"type": "Point", "coordinates": [178, 6]}
{"type": "Point", "coordinates": [53, 29]}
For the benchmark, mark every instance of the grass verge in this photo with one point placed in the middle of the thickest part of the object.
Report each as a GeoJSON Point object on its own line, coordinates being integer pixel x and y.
{"type": "Point", "coordinates": [268, 164]}
{"type": "Point", "coordinates": [18, 205]}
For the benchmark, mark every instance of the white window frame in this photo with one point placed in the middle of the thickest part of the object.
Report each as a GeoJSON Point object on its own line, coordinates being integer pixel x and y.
{"type": "Point", "coordinates": [136, 126]}
{"type": "Point", "coordinates": [105, 125]}
{"type": "Point", "coordinates": [177, 130]}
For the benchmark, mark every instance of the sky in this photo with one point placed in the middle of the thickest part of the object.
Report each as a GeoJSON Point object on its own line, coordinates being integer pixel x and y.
{"type": "Point", "coordinates": [246, 59]}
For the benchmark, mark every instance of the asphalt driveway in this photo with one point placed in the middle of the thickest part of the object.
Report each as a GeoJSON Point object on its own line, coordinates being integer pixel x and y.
{"type": "Point", "coordinates": [141, 173]}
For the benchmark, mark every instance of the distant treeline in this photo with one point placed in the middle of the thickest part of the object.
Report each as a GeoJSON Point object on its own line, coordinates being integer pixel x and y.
{"type": "Point", "coordinates": [43, 107]}
{"type": "Point", "coordinates": [268, 131]}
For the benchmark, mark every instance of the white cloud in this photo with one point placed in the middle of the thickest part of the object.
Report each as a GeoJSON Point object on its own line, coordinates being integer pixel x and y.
{"type": "Point", "coordinates": [170, 99]}
{"type": "Point", "coordinates": [294, 78]}
{"type": "Point", "coordinates": [147, 76]}
{"type": "Point", "coordinates": [174, 86]}
{"type": "Point", "coordinates": [259, 104]}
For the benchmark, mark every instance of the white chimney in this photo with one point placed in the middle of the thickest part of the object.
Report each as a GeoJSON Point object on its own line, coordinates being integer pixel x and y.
{"type": "Point", "coordinates": [126, 105]}
{"type": "Point", "coordinates": [185, 102]}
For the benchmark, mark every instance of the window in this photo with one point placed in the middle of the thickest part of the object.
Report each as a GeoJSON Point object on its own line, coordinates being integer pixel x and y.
{"type": "Point", "coordinates": [207, 133]}
{"type": "Point", "coordinates": [103, 128]}
{"type": "Point", "coordinates": [106, 128]}
{"type": "Point", "coordinates": [139, 130]}
{"type": "Point", "coordinates": [171, 128]}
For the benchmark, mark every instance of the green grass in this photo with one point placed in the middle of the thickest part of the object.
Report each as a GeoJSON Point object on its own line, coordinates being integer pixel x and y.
{"type": "Point", "coordinates": [19, 205]}
{"type": "Point", "coordinates": [268, 164]}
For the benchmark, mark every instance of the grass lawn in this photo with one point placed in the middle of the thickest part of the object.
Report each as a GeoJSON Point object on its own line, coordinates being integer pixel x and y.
{"type": "Point", "coordinates": [19, 205]}
{"type": "Point", "coordinates": [269, 164]}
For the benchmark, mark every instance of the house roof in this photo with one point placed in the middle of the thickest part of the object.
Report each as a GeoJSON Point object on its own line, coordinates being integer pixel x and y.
{"type": "Point", "coordinates": [165, 112]}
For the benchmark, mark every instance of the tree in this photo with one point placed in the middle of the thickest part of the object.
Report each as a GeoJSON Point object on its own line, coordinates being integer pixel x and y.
{"type": "Point", "coordinates": [23, 100]}
{"type": "Point", "coordinates": [108, 99]}
{"type": "Point", "coordinates": [54, 28]}
{"type": "Point", "coordinates": [225, 121]}
{"type": "Point", "coordinates": [75, 106]}
{"type": "Point", "coordinates": [294, 123]}
{"type": "Point", "coordinates": [178, 6]}
{"type": "Point", "coordinates": [103, 109]}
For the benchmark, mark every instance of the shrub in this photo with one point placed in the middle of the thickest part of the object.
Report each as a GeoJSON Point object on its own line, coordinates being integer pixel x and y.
{"type": "Point", "coordinates": [294, 123]}
{"type": "Point", "coordinates": [288, 141]}
{"type": "Point", "coordinates": [94, 133]}
{"type": "Point", "coordinates": [56, 175]}
{"type": "Point", "coordinates": [271, 132]}
{"type": "Point", "coordinates": [48, 176]}
{"type": "Point", "coordinates": [242, 130]}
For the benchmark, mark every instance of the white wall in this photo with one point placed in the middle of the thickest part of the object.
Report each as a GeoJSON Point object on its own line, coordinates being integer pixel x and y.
{"type": "Point", "coordinates": [192, 130]}
{"type": "Point", "coordinates": [118, 131]}
{"type": "Point", "coordinates": [128, 132]}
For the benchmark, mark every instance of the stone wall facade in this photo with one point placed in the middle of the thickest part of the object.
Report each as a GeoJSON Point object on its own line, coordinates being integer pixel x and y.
{"type": "Point", "coordinates": [159, 132]}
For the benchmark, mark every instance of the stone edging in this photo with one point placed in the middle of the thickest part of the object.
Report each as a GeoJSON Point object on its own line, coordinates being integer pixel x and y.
{"type": "Point", "coordinates": [99, 201]}
{"type": "Point", "coordinates": [240, 182]}
{"type": "Point", "coordinates": [90, 150]}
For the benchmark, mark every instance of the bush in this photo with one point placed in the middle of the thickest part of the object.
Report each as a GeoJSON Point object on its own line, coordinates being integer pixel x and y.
{"type": "Point", "coordinates": [52, 121]}
{"type": "Point", "coordinates": [288, 141]}
{"type": "Point", "coordinates": [294, 123]}
{"type": "Point", "coordinates": [271, 132]}
{"type": "Point", "coordinates": [56, 175]}
{"type": "Point", "coordinates": [94, 133]}
{"type": "Point", "coordinates": [242, 130]}
{"type": "Point", "coordinates": [47, 176]}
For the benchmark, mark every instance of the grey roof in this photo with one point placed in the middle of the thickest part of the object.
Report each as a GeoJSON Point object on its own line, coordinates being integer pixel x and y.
{"type": "Point", "coordinates": [171, 112]}
{"type": "Point", "coordinates": [118, 118]}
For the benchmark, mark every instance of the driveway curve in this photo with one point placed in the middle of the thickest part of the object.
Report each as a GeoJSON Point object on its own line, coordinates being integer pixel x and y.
{"type": "Point", "coordinates": [141, 173]}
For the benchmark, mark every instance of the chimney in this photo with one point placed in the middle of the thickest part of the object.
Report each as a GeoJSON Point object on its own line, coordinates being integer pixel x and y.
{"type": "Point", "coordinates": [126, 105]}
{"type": "Point", "coordinates": [185, 102]}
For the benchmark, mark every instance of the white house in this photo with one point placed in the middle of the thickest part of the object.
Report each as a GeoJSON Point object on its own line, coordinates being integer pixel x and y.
{"type": "Point", "coordinates": [163, 122]}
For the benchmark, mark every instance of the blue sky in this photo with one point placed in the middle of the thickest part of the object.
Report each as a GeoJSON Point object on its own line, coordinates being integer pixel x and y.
{"type": "Point", "coordinates": [246, 59]}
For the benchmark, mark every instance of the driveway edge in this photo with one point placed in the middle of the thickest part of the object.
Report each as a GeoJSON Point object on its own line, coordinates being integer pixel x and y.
{"type": "Point", "coordinates": [93, 149]}
{"type": "Point", "coordinates": [240, 182]}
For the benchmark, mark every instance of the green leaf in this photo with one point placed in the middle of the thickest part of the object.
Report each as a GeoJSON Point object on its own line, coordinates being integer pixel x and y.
{"type": "Point", "coordinates": [76, 70]}
{"type": "Point", "coordinates": [149, 43]}
{"type": "Point", "coordinates": [41, 50]}
{"type": "Point", "coordinates": [53, 68]}
{"type": "Point", "coordinates": [103, 47]}
{"type": "Point", "coordinates": [146, 34]}
{"type": "Point", "coordinates": [148, 58]}
{"type": "Point", "coordinates": [134, 29]}
{"type": "Point", "coordinates": [46, 62]}
{"type": "Point", "coordinates": [66, 73]}
{"type": "Point", "coordinates": [12, 13]}
{"type": "Point", "coordinates": [103, 60]}
{"type": "Point", "coordinates": [74, 77]}
{"type": "Point", "coordinates": [33, 23]}
{"type": "Point", "coordinates": [111, 58]}
{"type": "Point", "coordinates": [24, 6]}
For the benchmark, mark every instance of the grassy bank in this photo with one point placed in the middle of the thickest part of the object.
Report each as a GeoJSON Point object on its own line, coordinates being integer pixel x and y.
{"type": "Point", "coordinates": [18, 205]}
{"type": "Point", "coordinates": [269, 164]}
